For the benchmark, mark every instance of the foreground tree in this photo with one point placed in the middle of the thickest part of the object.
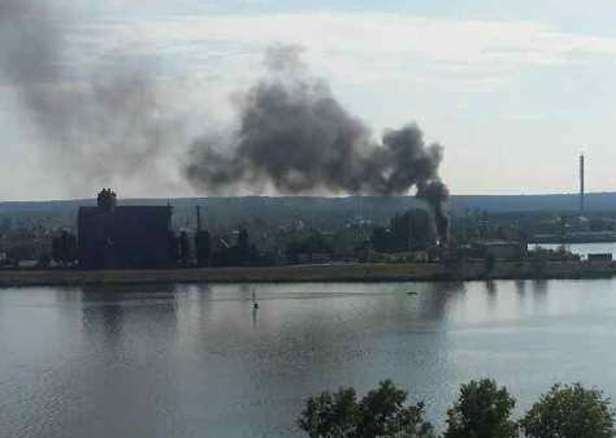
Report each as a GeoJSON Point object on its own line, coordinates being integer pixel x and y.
{"type": "Point", "coordinates": [381, 413]}
{"type": "Point", "coordinates": [570, 411]}
{"type": "Point", "coordinates": [482, 411]}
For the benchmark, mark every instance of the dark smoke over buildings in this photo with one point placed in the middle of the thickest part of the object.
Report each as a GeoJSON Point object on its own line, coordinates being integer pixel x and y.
{"type": "Point", "coordinates": [94, 124]}
{"type": "Point", "coordinates": [295, 137]}
{"type": "Point", "coordinates": [105, 123]}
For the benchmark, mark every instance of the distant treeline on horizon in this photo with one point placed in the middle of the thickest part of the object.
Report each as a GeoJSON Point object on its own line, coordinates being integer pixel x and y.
{"type": "Point", "coordinates": [234, 210]}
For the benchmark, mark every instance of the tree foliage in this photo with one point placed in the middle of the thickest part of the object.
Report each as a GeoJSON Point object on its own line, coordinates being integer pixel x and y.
{"type": "Point", "coordinates": [539, 261]}
{"type": "Point", "coordinates": [64, 247]}
{"type": "Point", "coordinates": [482, 411]}
{"type": "Point", "coordinates": [381, 413]}
{"type": "Point", "coordinates": [173, 247]}
{"type": "Point", "coordinates": [313, 244]}
{"type": "Point", "coordinates": [570, 411]}
{"type": "Point", "coordinates": [489, 263]}
{"type": "Point", "coordinates": [184, 248]}
{"type": "Point", "coordinates": [203, 247]}
{"type": "Point", "coordinates": [382, 239]}
{"type": "Point", "coordinates": [243, 247]}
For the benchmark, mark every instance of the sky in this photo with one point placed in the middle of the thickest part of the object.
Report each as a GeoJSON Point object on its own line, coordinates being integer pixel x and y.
{"type": "Point", "coordinates": [514, 91]}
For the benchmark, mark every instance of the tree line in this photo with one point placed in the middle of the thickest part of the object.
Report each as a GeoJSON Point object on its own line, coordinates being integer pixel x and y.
{"type": "Point", "coordinates": [182, 252]}
{"type": "Point", "coordinates": [240, 253]}
{"type": "Point", "coordinates": [482, 410]}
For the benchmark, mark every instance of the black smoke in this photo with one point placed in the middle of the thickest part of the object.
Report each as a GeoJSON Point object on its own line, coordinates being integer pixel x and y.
{"type": "Point", "coordinates": [95, 124]}
{"type": "Point", "coordinates": [294, 136]}
{"type": "Point", "coordinates": [107, 123]}
{"type": "Point", "coordinates": [436, 193]}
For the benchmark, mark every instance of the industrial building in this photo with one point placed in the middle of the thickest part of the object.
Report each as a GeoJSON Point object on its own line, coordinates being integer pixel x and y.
{"type": "Point", "coordinates": [499, 249]}
{"type": "Point", "coordinates": [124, 237]}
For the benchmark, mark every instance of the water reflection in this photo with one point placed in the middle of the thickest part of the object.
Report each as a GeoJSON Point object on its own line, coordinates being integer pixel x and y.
{"type": "Point", "coordinates": [197, 360]}
{"type": "Point", "coordinates": [255, 311]}
{"type": "Point", "coordinates": [491, 287]}
{"type": "Point", "coordinates": [540, 295]}
{"type": "Point", "coordinates": [103, 312]}
{"type": "Point", "coordinates": [437, 297]}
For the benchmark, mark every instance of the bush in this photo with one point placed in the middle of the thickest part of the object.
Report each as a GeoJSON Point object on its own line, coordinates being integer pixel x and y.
{"type": "Point", "coordinates": [570, 411]}
{"type": "Point", "coordinates": [482, 411]}
{"type": "Point", "coordinates": [381, 413]}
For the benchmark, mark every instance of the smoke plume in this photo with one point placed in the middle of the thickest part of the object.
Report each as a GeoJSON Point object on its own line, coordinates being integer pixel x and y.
{"type": "Point", "coordinates": [95, 125]}
{"type": "Point", "coordinates": [293, 135]}
{"type": "Point", "coordinates": [107, 123]}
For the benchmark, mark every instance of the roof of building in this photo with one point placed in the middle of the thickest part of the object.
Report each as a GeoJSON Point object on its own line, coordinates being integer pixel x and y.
{"type": "Point", "coordinates": [128, 208]}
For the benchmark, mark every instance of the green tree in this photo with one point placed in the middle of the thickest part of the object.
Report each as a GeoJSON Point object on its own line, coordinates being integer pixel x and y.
{"type": "Point", "coordinates": [330, 415]}
{"type": "Point", "coordinates": [482, 411]}
{"type": "Point", "coordinates": [64, 247]}
{"type": "Point", "coordinates": [381, 413]}
{"type": "Point", "coordinates": [243, 247]}
{"type": "Point", "coordinates": [184, 247]}
{"type": "Point", "coordinates": [173, 247]}
{"type": "Point", "coordinates": [382, 239]}
{"type": "Point", "coordinates": [570, 411]}
{"type": "Point", "coordinates": [539, 261]}
{"type": "Point", "coordinates": [489, 263]}
{"type": "Point", "coordinates": [203, 247]}
{"type": "Point", "coordinates": [56, 249]}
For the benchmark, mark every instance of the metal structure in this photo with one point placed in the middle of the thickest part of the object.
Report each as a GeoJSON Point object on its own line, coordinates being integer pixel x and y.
{"type": "Point", "coordinates": [582, 206]}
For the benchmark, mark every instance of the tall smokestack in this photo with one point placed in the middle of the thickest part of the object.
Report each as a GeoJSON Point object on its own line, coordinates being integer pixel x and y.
{"type": "Point", "coordinates": [582, 208]}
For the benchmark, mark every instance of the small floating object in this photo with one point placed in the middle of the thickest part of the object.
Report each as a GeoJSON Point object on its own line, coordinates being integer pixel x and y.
{"type": "Point", "coordinates": [255, 305]}
{"type": "Point", "coordinates": [412, 293]}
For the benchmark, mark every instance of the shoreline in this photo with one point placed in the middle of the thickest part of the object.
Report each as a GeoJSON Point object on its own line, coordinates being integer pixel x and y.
{"type": "Point", "coordinates": [327, 273]}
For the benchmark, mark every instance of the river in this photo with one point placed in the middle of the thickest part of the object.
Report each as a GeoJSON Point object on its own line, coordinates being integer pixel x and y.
{"type": "Point", "coordinates": [197, 361]}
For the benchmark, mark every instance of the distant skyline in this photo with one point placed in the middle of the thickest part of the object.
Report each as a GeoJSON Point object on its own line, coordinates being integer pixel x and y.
{"type": "Point", "coordinates": [514, 91]}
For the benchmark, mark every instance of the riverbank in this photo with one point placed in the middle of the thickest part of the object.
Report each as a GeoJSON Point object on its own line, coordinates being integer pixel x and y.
{"type": "Point", "coordinates": [360, 272]}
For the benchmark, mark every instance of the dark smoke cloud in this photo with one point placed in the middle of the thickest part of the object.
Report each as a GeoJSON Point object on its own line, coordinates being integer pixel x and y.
{"type": "Point", "coordinates": [106, 124]}
{"type": "Point", "coordinates": [436, 193]}
{"type": "Point", "coordinates": [294, 136]}
{"type": "Point", "coordinates": [94, 126]}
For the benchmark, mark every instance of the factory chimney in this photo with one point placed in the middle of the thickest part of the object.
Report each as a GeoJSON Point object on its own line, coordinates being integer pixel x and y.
{"type": "Point", "coordinates": [582, 207]}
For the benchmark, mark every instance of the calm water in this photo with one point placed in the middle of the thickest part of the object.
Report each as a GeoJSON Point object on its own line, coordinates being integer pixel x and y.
{"type": "Point", "coordinates": [198, 362]}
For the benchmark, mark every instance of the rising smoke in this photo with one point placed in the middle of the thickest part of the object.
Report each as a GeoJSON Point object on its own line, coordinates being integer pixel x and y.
{"type": "Point", "coordinates": [108, 124]}
{"type": "Point", "coordinates": [295, 136]}
{"type": "Point", "coordinates": [95, 125]}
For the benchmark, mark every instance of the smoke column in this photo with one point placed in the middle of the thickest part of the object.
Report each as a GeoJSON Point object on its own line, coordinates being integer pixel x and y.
{"type": "Point", "coordinates": [107, 124]}
{"type": "Point", "coordinates": [94, 125]}
{"type": "Point", "coordinates": [294, 136]}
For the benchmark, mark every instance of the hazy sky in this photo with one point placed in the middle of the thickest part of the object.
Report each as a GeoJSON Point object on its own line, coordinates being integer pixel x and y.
{"type": "Point", "coordinates": [513, 90]}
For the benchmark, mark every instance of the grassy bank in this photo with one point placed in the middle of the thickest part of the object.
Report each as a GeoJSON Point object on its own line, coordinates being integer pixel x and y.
{"type": "Point", "coordinates": [309, 273]}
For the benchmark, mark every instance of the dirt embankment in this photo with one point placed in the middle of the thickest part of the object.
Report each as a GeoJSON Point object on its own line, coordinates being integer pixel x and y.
{"type": "Point", "coordinates": [310, 273]}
